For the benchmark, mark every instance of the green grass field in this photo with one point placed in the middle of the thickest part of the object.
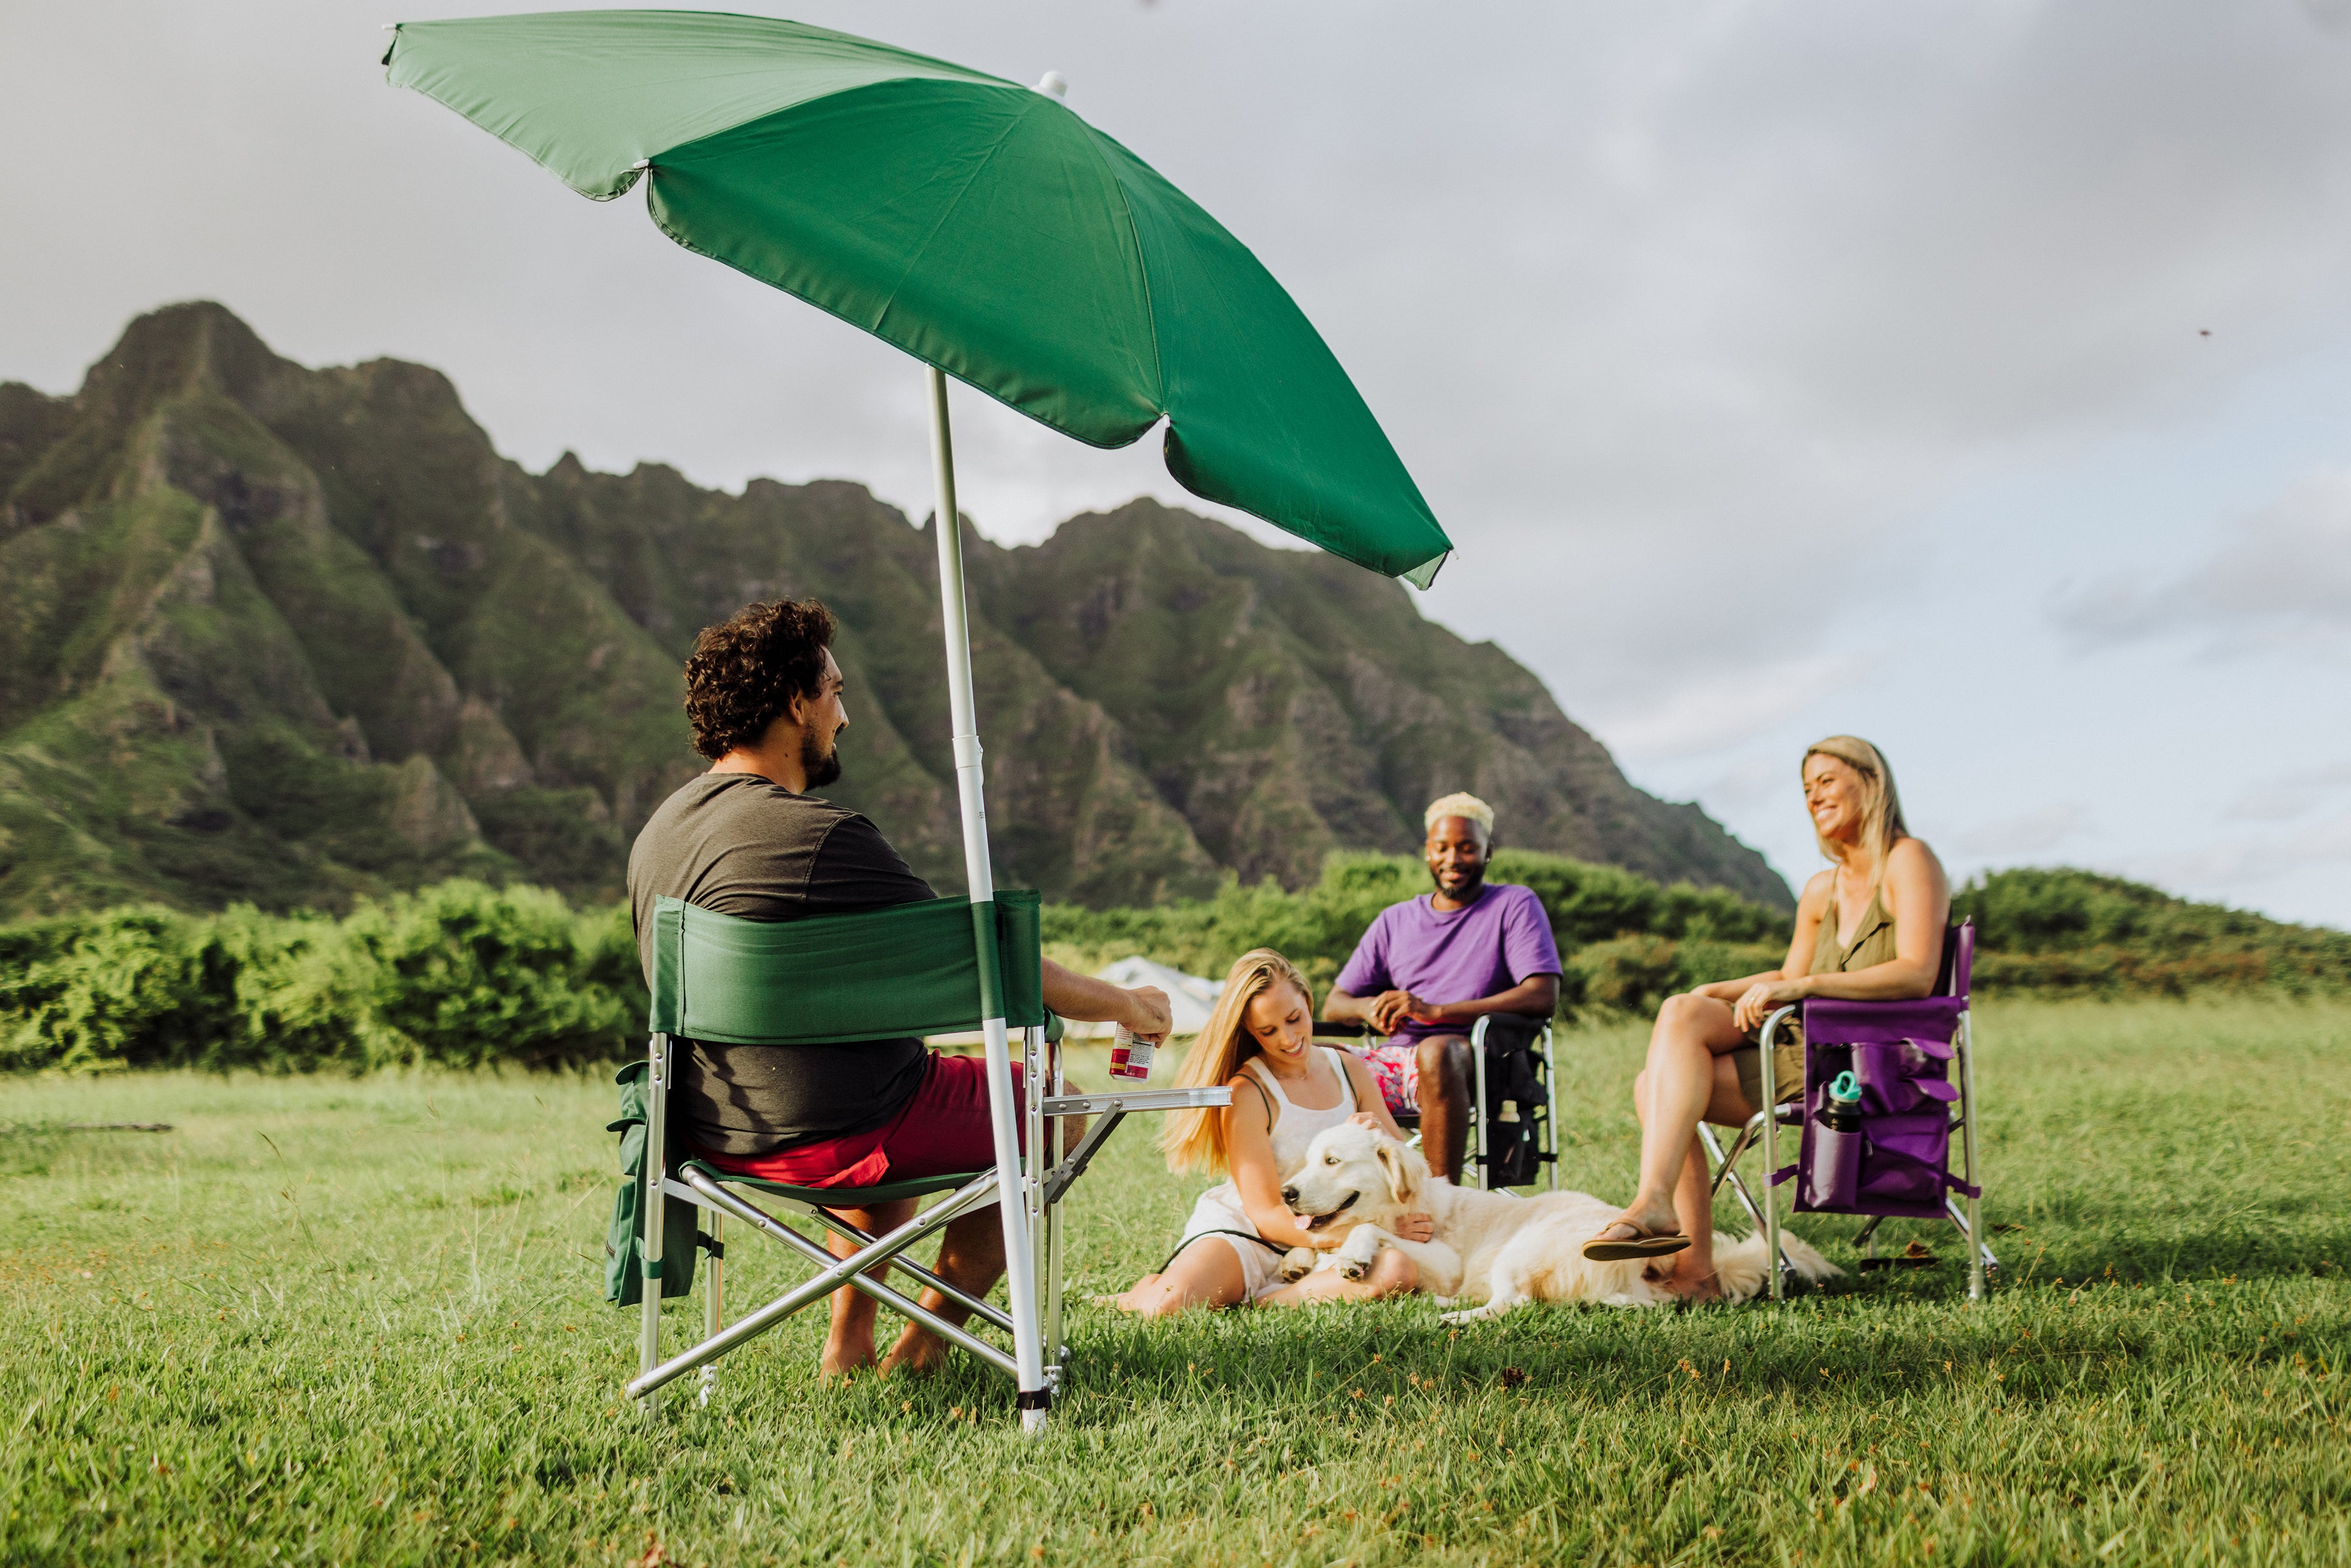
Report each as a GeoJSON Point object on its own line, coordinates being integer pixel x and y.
{"type": "Point", "coordinates": [336, 1320]}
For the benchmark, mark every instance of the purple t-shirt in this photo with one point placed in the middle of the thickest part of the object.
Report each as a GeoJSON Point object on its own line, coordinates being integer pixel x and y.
{"type": "Point", "coordinates": [1501, 939]}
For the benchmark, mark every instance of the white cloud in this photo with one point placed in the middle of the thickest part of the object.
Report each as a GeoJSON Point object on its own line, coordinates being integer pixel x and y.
{"type": "Point", "coordinates": [2284, 572]}
{"type": "Point", "coordinates": [2295, 795]}
{"type": "Point", "coordinates": [1721, 709]}
{"type": "Point", "coordinates": [2249, 860]}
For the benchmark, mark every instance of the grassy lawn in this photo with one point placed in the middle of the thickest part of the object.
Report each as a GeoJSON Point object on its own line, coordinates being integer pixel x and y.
{"type": "Point", "coordinates": [344, 1320]}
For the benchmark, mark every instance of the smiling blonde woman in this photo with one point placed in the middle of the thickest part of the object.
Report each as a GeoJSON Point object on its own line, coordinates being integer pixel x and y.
{"type": "Point", "coordinates": [1259, 1042]}
{"type": "Point", "coordinates": [1869, 929]}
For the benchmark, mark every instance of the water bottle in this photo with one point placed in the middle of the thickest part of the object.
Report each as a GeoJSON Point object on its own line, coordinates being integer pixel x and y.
{"type": "Point", "coordinates": [1833, 1175]}
{"type": "Point", "coordinates": [1130, 1058]}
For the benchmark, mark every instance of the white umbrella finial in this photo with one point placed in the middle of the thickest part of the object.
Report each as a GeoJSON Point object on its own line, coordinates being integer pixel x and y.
{"type": "Point", "coordinates": [1052, 85]}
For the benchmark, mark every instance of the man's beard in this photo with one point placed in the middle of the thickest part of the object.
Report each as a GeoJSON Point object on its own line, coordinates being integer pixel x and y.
{"type": "Point", "coordinates": [1470, 882]}
{"type": "Point", "coordinates": [821, 767]}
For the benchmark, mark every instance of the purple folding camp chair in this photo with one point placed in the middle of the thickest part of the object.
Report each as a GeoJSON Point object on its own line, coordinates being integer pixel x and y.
{"type": "Point", "coordinates": [1903, 1056]}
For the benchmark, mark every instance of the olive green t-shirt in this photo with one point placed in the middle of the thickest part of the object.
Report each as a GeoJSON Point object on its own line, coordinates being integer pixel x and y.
{"type": "Point", "coordinates": [741, 845]}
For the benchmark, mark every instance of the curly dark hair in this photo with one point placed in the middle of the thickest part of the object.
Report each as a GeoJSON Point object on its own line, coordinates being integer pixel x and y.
{"type": "Point", "coordinates": [746, 670]}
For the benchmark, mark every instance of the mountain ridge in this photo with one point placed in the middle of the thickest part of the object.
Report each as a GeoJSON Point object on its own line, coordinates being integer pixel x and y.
{"type": "Point", "coordinates": [294, 637]}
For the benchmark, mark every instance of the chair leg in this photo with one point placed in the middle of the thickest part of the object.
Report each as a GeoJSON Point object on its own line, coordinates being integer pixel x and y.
{"type": "Point", "coordinates": [712, 1312]}
{"type": "Point", "coordinates": [831, 1275]}
{"type": "Point", "coordinates": [1772, 1249]}
{"type": "Point", "coordinates": [1033, 1163]}
{"type": "Point", "coordinates": [1726, 1171]}
{"type": "Point", "coordinates": [1979, 1258]}
{"type": "Point", "coordinates": [1056, 1352]}
{"type": "Point", "coordinates": [1550, 1104]}
{"type": "Point", "coordinates": [656, 1208]}
{"type": "Point", "coordinates": [1480, 1158]}
{"type": "Point", "coordinates": [1738, 1146]}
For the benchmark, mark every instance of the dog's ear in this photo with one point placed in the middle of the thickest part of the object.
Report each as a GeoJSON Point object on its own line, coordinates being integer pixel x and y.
{"type": "Point", "coordinates": [1404, 1181]}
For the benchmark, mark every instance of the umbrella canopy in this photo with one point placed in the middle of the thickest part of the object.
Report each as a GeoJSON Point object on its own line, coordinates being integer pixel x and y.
{"type": "Point", "coordinates": [978, 224]}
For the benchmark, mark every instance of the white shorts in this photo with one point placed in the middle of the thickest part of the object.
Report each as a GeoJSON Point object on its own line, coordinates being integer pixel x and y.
{"type": "Point", "coordinates": [1220, 1208]}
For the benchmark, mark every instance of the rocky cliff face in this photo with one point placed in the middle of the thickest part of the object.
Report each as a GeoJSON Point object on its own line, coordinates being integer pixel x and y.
{"type": "Point", "coordinates": [292, 635]}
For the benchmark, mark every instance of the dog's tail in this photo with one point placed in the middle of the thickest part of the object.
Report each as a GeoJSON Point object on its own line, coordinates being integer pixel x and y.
{"type": "Point", "coordinates": [1742, 1269]}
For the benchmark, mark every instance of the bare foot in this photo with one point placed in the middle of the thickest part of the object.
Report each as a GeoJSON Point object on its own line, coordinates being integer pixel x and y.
{"type": "Point", "coordinates": [837, 1365]}
{"type": "Point", "coordinates": [917, 1354]}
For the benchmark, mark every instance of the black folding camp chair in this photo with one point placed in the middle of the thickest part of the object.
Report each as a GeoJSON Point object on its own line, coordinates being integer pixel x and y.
{"type": "Point", "coordinates": [1514, 1131]}
{"type": "Point", "coordinates": [911, 969]}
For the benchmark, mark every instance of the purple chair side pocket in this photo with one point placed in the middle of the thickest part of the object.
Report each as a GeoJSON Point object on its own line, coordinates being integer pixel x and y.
{"type": "Point", "coordinates": [1903, 1161]}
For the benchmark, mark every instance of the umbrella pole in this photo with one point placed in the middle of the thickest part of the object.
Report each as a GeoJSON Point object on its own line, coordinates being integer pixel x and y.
{"type": "Point", "coordinates": [1011, 1204]}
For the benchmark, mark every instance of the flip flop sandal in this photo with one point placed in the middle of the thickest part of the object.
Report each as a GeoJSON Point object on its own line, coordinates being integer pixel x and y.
{"type": "Point", "coordinates": [1640, 1244]}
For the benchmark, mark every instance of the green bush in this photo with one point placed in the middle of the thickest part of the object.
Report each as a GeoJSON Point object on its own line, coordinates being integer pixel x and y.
{"type": "Point", "coordinates": [1611, 912]}
{"type": "Point", "coordinates": [2061, 931]}
{"type": "Point", "coordinates": [466, 975]}
{"type": "Point", "coordinates": [460, 973]}
{"type": "Point", "coordinates": [1627, 943]}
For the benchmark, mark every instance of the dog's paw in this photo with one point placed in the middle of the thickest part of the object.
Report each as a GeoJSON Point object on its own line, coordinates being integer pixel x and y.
{"type": "Point", "coordinates": [1475, 1314]}
{"type": "Point", "coordinates": [1353, 1268]}
{"type": "Point", "coordinates": [1297, 1263]}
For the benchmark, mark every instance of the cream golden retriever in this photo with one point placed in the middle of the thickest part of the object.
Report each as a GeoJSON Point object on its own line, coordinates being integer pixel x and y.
{"type": "Point", "coordinates": [1489, 1248]}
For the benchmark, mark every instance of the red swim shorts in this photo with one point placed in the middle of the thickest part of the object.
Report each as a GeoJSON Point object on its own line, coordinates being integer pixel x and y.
{"type": "Point", "coordinates": [942, 1130]}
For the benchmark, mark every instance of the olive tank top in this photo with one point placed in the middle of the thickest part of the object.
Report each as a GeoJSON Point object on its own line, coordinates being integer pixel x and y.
{"type": "Point", "coordinates": [1869, 943]}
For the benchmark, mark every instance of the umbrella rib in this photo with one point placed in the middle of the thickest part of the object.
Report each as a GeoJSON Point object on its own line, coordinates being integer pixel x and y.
{"type": "Point", "coordinates": [1135, 237]}
{"type": "Point", "coordinates": [945, 213]}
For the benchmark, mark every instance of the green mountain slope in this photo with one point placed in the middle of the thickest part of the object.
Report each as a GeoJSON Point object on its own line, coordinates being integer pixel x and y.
{"type": "Point", "coordinates": [290, 636]}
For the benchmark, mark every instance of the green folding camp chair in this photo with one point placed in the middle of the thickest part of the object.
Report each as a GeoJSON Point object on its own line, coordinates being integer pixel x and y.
{"type": "Point", "coordinates": [911, 970]}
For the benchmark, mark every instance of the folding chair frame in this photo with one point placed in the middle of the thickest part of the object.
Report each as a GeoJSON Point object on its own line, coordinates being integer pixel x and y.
{"type": "Point", "coordinates": [1764, 1127]}
{"type": "Point", "coordinates": [1035, 1187]}
{"type": "Point", "coordinates": [1480, 1156]}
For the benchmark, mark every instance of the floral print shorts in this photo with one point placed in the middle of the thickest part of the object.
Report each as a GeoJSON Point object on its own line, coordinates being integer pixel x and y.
{"type": "Point", "coordinates": [1395, 1068]}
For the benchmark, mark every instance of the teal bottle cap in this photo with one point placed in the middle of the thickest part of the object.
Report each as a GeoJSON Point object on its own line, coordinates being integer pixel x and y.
{"type": "Point", "coordinates": [1845, 1087]}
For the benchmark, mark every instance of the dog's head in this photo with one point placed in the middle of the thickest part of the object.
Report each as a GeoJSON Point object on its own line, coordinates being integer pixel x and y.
{"type": "Point", "coordinates": [1354, 1174]}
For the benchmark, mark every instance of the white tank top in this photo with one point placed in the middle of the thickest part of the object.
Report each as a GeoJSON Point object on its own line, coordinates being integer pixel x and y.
{"type": "Point", "coordinates": [1295, 1127]}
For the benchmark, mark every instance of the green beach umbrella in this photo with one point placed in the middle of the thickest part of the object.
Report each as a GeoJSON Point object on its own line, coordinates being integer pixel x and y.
{"type": "Point", "coordinates": [980, 226]}
{"type": "Point", "coordinates": [989, 232]}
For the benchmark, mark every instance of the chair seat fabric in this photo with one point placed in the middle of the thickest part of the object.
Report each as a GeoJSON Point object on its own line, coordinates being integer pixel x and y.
{"type": "Point", "coordinates": [1876, 1023]}
{"type": "Point", "coordinates": [838, 1197]}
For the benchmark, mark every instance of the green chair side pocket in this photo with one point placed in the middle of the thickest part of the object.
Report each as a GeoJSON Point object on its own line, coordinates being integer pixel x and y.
{"type": "Point", "coordinates": [624, 1242]}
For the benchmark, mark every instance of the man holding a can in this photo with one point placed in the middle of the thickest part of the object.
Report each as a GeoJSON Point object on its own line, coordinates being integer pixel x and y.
{"type": "Point", "coordinates": [748, 838]}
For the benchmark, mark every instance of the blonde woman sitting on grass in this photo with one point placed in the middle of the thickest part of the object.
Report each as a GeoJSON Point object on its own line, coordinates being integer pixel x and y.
{"type": "Point", "coordinates": [1869, 929]}
{"type": "Point", "coordinates": [1259, 1042]}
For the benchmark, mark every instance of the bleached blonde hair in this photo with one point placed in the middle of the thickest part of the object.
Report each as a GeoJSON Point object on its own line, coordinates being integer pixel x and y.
{"type": "Point", "coordinates": [1459, 805]}
{"type": "Point", "coordinates": [1881, 803]}
{"type": "Point", "coordinates": [1194, 1140]}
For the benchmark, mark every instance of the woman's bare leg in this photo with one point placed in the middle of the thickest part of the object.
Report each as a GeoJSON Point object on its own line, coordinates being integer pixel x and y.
{"type": "Point", "coordinates": [1671, 1094]}
{"type": "Point", "coordinates": [1391, 1274]}
{"type": "Point", "coordinates": [1691, 1271]}
{"type": "Point", "coordinates": [1205, 1274]}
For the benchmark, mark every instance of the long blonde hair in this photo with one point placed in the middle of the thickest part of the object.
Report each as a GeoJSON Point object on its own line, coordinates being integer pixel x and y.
{"type": "Point", "coordinates": [1881, 803]}
{"type": "Point", "coordinates": [1194, 1140]}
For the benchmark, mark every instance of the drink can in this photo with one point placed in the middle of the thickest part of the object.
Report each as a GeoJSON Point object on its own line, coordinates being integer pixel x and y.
{"type": "Point", "coordinates": [1130, 1058]}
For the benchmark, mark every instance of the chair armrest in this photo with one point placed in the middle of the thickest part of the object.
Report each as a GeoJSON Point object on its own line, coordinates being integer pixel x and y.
{"type": "Point", "coordinates": [1128, 1102]}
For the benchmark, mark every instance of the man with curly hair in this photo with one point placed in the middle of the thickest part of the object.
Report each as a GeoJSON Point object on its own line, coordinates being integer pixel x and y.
{"type": "Point", "coordinates": [748, 838]}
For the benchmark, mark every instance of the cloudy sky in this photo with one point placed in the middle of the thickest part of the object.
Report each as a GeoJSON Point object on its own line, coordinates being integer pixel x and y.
{"type": "Point", "coordinates": [1976, 378]}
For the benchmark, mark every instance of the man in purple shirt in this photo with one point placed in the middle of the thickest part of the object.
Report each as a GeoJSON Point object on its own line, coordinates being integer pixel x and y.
{"type": "Point", "coordinates": [1430, 968]}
